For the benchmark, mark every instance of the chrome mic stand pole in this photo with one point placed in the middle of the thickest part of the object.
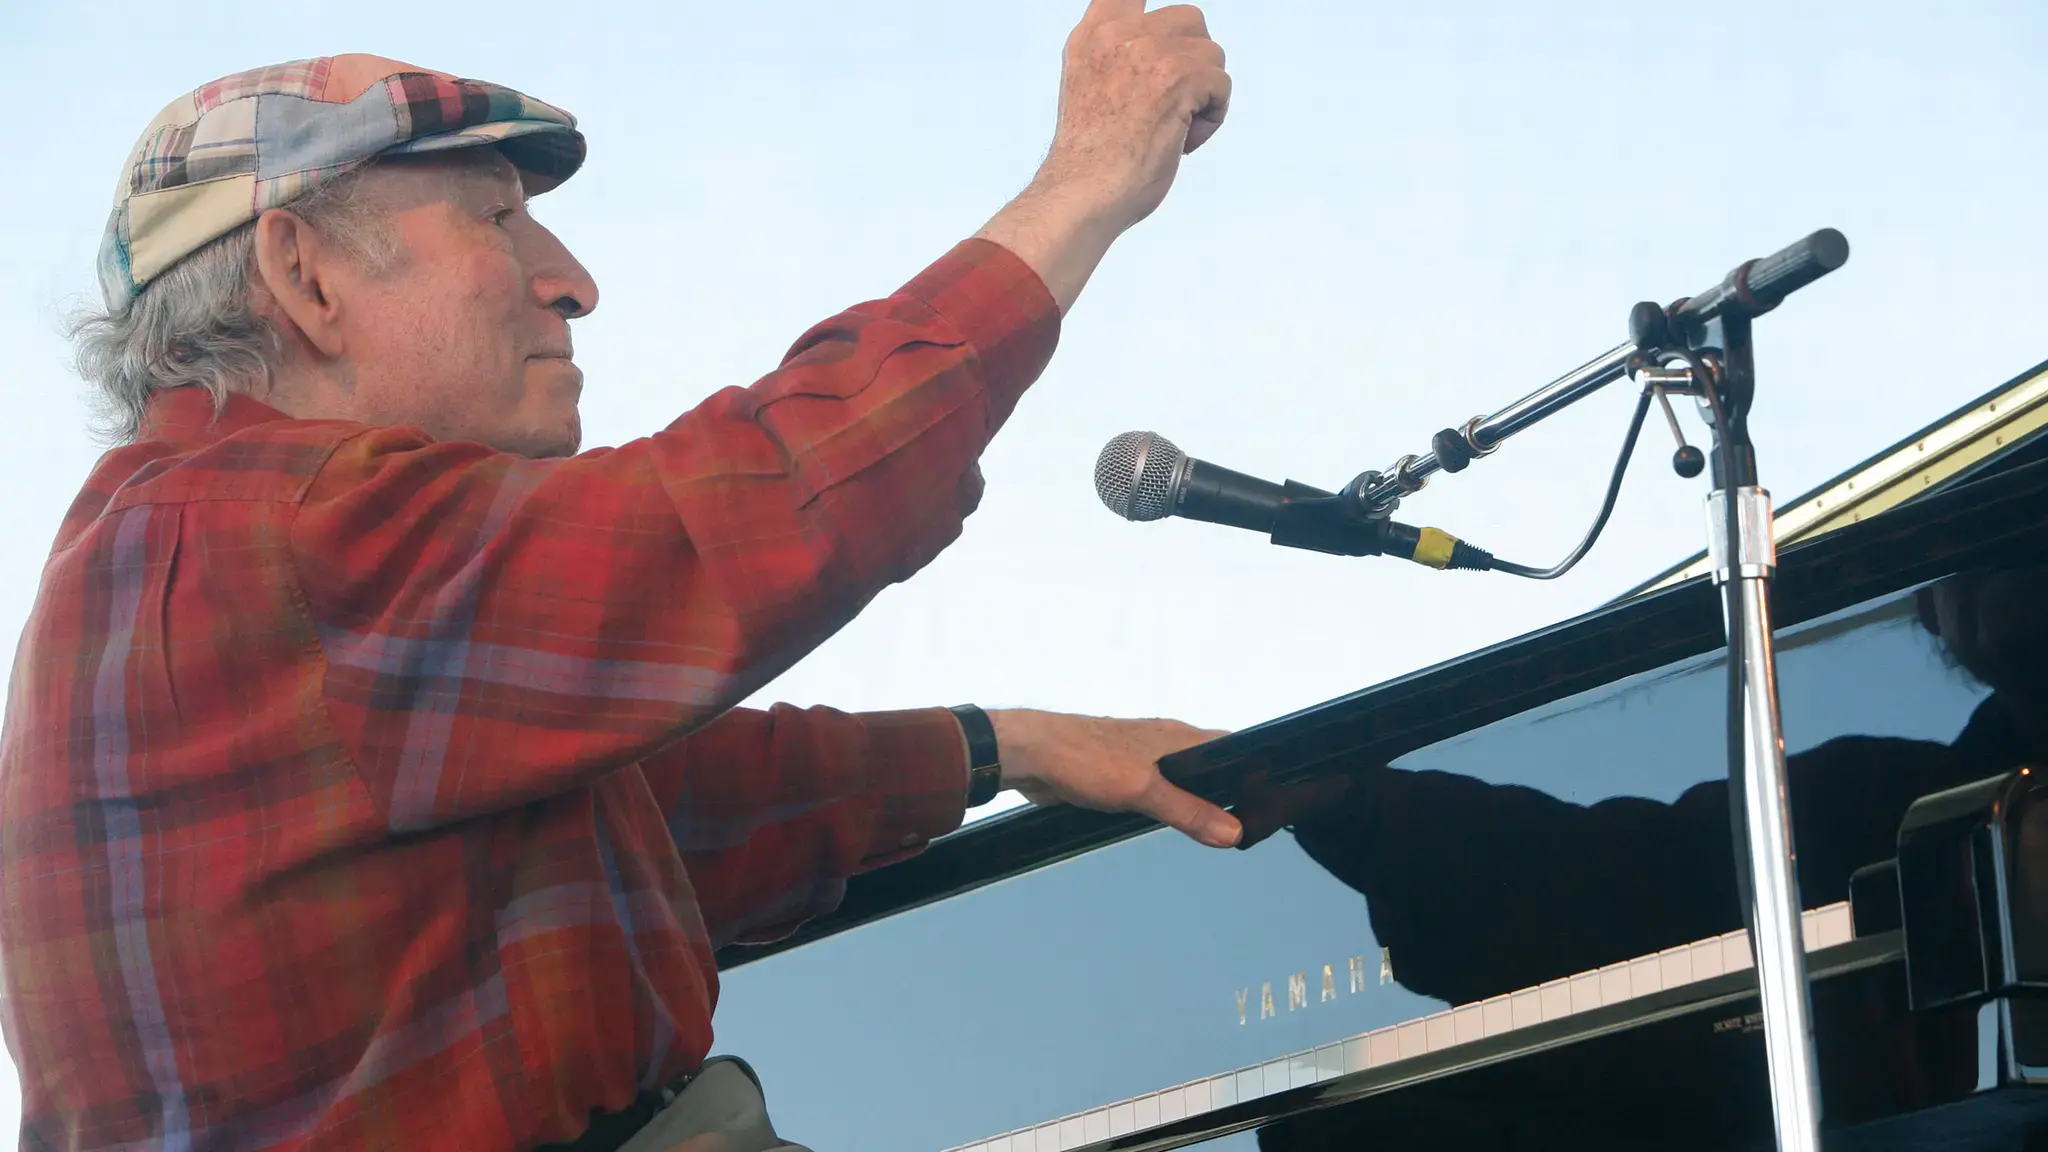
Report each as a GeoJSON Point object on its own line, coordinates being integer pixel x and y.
{"type": "Point", "coordinates": [1744, 559]}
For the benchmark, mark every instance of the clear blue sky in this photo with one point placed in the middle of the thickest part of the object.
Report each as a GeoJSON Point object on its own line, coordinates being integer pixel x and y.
{"type": "Point", "coordinates": [1416, 213]}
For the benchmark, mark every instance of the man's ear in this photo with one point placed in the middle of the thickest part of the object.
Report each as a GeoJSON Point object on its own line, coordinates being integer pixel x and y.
{"type": "Point", "coordinates": [294, 265]}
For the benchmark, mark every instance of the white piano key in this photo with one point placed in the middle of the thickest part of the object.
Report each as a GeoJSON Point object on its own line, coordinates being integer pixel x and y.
{"type": "Point", "coordinates": [1645, 976]}
{"type": "Point", "coordinates": [1555, 999]}
{"type": "Point", "coordinates": [1438, 1031]}
{"type": "Point", "coordinates": [1354, 1055]}
{"type": "Point", "coordinates": [1146, 1111]}
{"type": "Point", "coordinates": [1222, 1091]}
{"type": "Point", "coordinates": [1251, 1084]}
{"type": "Point", "coordinates": [1413, 1037]}
{"type": "Point", "coordinates": [1585, 991]}
{"type": "Point", "coordinates": [1705, 959]}
{"type": "Point", "coordinates": [1048, 1137]}
{"type": "Point", "coordinates": [1173, 1105]}
{"type": "Point", "coordinates": [1301, 1069]}
{"type": "Point", "coordinates": [1123, 1119]}
{"type": "Point", "coordinates": [1735, 951]}
{"type": "Point", "coordinates": [1496, 1015]}
{"type": "Point", "coordinates": [1467, 1023]}
{"type": "Point", "coordinates": [1071, 1132]}
{"type": "Point", "coordinates": [1197, 1096]}
{"type": "Point", "coordinates": [1383, 1046]}
{"type": "Point", "coordinates": [1677, 965]}
{"type": "Point", "coordinates": [1274, 1073]}
{"type": "Point", "coordinates": [1095, 1126]}
{"type": "Point", "coordinates": [1837, 925]}
{"type": "Point", "coordinates": [1528, 1007]}
{"type": "Point", "coordinates": [1827, 927]}
{"type": "Point", "coordinates": [1614, 986]}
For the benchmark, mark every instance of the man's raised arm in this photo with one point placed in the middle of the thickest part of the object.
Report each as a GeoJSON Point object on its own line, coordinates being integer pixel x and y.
{"type": "Point", "coordinates": [567, 617]}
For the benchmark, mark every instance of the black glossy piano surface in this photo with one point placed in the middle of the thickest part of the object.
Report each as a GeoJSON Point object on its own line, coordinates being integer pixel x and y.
{"type": "Point", "coordinates": [1528, 814]}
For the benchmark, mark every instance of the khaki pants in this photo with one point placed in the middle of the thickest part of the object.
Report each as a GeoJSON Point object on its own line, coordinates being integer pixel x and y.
{"type": "Point", "coordinates": [720, 1111]}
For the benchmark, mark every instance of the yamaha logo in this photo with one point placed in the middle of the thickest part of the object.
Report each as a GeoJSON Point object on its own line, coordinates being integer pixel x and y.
{"type": "Point", "coordinates": [1297, 987]}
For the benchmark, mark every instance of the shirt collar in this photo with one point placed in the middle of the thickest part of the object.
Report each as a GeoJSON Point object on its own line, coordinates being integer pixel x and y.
{"type": "Point", "coordinates": [186, 416]}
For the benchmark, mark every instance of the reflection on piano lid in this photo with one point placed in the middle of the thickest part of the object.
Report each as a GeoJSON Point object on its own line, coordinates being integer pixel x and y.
{"type": "Point", "coordinates": [1383, 1048]}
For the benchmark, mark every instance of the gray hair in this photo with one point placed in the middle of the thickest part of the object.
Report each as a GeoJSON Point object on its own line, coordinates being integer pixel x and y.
{"type": "Point", "coordinates": [197, 323]}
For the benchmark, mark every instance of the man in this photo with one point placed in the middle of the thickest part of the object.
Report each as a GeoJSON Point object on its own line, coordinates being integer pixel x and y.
{"type": "Point", "coordinates": [371, 777]}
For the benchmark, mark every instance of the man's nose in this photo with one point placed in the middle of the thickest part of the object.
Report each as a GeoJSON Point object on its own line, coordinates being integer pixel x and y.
{"type": "Point", "coordinates": [560, 281]}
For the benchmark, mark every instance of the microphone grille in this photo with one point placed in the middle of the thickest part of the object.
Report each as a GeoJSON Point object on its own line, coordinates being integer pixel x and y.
{"type": "Point", "coordinates": [1135, 475]}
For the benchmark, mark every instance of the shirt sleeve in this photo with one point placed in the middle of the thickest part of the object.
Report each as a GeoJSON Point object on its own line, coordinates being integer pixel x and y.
{"type": "Point", "coordinates": [497, 629]}
{"type": "Point", "coordinates": [773, 810]}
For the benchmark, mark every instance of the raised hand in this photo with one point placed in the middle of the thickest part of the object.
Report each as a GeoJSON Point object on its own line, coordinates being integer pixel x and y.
{"type": "Point", "coordinates": [1138, 90]}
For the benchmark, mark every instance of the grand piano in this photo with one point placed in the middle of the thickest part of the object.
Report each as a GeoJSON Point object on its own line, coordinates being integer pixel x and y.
{"type": "Point", "coordinates": [1491, 903]}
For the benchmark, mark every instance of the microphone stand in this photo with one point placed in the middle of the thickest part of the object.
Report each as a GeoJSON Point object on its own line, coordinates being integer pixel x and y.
{"type": "Point", "coordinates": [1710, 334]}
{"type": "Point", "coordinates": [1744, 555]}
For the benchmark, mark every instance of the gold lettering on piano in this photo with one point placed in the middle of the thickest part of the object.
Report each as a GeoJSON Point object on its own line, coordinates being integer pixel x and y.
{"type": "Point", "coordinates": [1298, 986]}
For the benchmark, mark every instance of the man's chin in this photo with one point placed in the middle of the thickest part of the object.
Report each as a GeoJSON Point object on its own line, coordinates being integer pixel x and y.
{"type": "Point", "coordinates": [544, 443]}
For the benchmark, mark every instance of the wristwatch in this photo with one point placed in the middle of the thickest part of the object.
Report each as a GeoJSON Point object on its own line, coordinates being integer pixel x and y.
{"type": "Point", "coordinates": [984, 764]}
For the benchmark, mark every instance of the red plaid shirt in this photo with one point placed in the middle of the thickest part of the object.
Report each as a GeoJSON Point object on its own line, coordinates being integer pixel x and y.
{"type": "Point", "coordinates": [363, 791]}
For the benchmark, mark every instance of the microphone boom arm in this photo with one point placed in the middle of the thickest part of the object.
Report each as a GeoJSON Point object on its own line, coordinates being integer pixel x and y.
{"type": "Point", "coordinates": [1750, 290]}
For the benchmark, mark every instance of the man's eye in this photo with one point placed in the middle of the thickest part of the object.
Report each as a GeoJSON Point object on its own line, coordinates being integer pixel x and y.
{"type": "Point", "coordinates": [501, 216]}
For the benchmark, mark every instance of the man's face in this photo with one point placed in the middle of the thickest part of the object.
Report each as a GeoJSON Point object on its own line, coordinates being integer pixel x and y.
{"type": "Point", "coordinates": [466, 332]}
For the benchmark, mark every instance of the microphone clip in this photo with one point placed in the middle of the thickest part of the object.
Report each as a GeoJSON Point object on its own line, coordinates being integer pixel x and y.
{"type": "Point", "coordinates": [1320, 521]}
{"type": "Point", "coordinates": [1341, 525]}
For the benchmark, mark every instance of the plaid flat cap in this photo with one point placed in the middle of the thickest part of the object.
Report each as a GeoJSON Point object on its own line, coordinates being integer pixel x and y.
{"type": "Point", "coordinates": [215, 158]}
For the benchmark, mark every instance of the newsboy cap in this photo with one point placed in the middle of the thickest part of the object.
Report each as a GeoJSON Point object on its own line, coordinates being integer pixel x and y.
{"type": "Point", "coordinates": [218, 156]}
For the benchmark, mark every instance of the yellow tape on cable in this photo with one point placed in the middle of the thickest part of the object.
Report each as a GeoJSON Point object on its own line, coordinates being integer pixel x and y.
{"type": "Point", "coordinates": [1434, 548]}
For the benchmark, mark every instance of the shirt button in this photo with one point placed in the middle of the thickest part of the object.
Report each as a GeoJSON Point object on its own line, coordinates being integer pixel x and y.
{"type": "Point", "coordinates": [910, 841]}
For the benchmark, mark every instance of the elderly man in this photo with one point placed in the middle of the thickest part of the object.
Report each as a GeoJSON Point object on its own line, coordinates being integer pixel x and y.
{"type": "Point", "coordinates": [372, 776]}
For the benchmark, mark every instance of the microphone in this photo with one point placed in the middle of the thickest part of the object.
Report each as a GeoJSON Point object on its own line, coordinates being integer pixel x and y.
{"type": "Point", "coordinates": [1144, 476]}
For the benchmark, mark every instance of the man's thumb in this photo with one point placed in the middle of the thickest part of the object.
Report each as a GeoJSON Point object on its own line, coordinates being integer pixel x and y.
{"type": "Point", "coordinates": [1179, 809]}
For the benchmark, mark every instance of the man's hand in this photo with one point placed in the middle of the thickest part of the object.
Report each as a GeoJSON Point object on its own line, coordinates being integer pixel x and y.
{"type": "Point", "coordinates": [1107, 765]}
{"type": "Point", "coordinates": [1138, 90]}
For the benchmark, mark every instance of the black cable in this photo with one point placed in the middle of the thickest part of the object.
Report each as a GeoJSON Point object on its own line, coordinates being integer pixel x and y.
{"type": "Point", "coordinates": [1628, 449]}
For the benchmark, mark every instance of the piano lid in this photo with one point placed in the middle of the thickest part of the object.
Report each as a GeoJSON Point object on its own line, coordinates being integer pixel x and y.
{"type": "Point", "coordinates": [2000, 518]}
{"type": "Point", "coordinates": [1551, 844]}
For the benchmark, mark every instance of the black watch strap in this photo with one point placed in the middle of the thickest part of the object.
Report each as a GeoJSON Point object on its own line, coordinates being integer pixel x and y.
{"type": "Point", "coordinates": [984, 762]}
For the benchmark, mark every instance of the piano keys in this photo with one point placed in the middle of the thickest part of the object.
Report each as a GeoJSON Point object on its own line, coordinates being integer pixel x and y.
{"type": "Point", "coordinates": [1399, 1049]}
